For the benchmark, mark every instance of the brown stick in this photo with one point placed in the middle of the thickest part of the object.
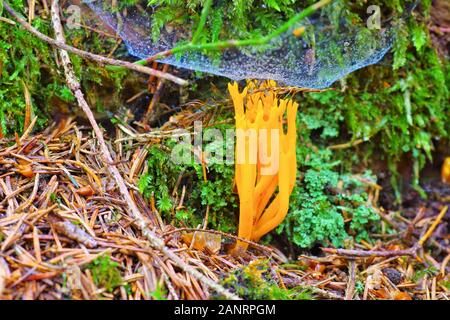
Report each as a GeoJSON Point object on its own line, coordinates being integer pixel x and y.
{"type": "Point", "coordinates": [350, 291]}
{"type": "Point", "coordinates": [153, 239]}
{"type": "Point", "coordinates": [373, 253]}
{"type": "Point", "coordinates": [87, 55]}
{"type": "Point", "coordinates": [156, 96]}
{"type": "Point", "coordinates": [160, 55]}
{"type": "Point", "coordinates": [433, 226]}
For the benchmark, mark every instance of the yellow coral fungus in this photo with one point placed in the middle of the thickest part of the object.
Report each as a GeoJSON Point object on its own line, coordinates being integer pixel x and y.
{"type": "Point", "coordinates": [265, 159]}
{"type": "Point", "coordinates": [445, 172]}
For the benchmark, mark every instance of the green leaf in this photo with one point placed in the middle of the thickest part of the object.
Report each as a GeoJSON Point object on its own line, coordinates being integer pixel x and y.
{"type": "Point", "coordinates": [419, 37]}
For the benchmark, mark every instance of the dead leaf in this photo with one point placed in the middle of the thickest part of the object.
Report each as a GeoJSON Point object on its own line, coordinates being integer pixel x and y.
{"type": "Point", "coordinates": [382, 293]}
{"type": "Point", "coordinates": [26, 170]}
{"type": "Point", "coordinates": [203, 240]}
{"type": "Point", "coordinates": [85, 191]}
{"type": "Point", "coordinates": [320, 268]}
{"type": "Point", "coordinates": [400, 295]}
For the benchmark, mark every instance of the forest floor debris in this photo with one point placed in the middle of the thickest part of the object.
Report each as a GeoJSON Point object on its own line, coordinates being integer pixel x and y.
{"type": "Point", "coordinates": [65, 234]}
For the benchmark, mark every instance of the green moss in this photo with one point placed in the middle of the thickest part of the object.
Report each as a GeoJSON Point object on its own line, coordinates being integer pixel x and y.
{"type": "Point", "coordinates": [322, 198]}
{"type": "Point", "coordinates": [159, 293]}
{"type": "Point", "coordinates": [216, 192]}
{"type": "Point", "coordinates": [160, 178]}
{"type": "Point", "coordinates": [395, 113]}
{"type": "Point", "coordinates": [230, 19]}
{"type": "Point", "coordinates": [390, 112]}
{"type": "Point", "coordinates": [26, 61]}
{"type": "Point", "coordinates": [105, 273]}
{"type": "Point", "coordinates": [254, 282]}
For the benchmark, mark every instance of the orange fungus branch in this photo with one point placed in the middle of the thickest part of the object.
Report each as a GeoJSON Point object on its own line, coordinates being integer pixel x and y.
{"type": "Point", "coordinates": [265, 159]}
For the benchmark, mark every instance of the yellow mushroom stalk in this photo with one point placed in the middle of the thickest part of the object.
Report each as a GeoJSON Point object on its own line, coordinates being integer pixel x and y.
{"type": "Point", "coordinates": [265, 159]}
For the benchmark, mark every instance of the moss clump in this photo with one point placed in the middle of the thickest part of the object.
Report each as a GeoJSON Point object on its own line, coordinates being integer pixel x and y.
{"type": "Point", "coordinates": [393, 111]}
{"type": "Point", "coordinates": [254, 282]}
{"type": "Point", "coordinates": [324, 200]}
{"type": "Point", "coordinates": [217, 191]}
{"type": "Point", "coordinates": [159, 178]}
{"type": "Point", "coordinates": [105, 273]}
{"type": "Point", "coordinates": [160, 293]}
{"type": "Point", "coordinates": [29, 64]}
{"type": "Point", "coordinates": [392, 115]}
{"type": "Point", "coordinates": [26, 64]}
{"type": "Point", "coordinates": [161, 175]}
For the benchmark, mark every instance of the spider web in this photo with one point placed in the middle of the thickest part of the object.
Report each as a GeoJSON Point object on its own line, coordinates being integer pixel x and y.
{"type": "Point", "coordinates": [325, 53]}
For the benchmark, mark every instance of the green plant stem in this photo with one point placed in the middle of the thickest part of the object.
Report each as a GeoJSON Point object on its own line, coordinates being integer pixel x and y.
{"type": "Point", "coordinates": [202, 22]}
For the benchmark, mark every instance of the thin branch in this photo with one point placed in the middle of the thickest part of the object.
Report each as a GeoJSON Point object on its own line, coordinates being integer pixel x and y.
{"type": "Point", "coordinates": [433, 226]}
{"type": "Point", "coordinates": [3, 19]}
{"type": "Point", "coordinates": [156, 96]}
{"type": "Point", "coordinates": [373, 253]}
{"type": "Point", "coordinates": [350, 291]}
{"type": "Point", "coordinates": [91, 56]}
{"type": "Point", "coordinates": [153, 239]}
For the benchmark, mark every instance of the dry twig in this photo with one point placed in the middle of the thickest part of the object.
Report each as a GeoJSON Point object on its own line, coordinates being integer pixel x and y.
{"type": "Point", "coordinates": [373, 253]}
